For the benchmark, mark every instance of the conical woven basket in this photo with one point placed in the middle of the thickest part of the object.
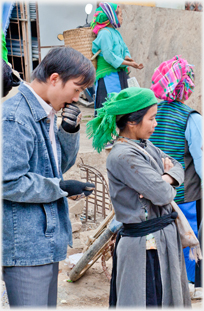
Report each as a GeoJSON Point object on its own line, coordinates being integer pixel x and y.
{"type": "Point", "coordinates": [81, 39]}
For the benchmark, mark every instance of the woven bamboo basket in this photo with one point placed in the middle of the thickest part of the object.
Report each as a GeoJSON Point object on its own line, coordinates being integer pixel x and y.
{"type": "Point", "coordinates": [81, 39]}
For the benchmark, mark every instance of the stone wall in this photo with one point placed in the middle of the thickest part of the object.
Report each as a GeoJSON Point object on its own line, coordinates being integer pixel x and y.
{"type": "Point", "coordinates": [154, 35]}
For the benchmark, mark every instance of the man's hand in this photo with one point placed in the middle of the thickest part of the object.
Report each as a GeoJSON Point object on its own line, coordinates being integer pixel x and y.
{"type": "Point", "coordinates": [71, 118]}
{"type": "Point", "coordinates": [76, 189]}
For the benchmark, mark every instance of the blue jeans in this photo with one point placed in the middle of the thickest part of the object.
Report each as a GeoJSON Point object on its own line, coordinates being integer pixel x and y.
{"type": "Point", "coordinates": [33, 286]}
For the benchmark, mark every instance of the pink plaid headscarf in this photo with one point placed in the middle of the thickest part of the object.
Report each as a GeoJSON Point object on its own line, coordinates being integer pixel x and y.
{"type": "Point", "coordinates": [173, 79]}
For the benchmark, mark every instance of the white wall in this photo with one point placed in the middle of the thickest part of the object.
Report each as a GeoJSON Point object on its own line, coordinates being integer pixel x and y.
{"type": "Point", "coordinates": [171, 4]}
{"type": "Point", "coordinates": [55, 18]}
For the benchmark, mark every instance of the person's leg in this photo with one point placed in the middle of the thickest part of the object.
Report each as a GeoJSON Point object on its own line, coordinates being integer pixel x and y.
{"type": "Point", "coordinates": [153, 279]}
{"type": "Point", "coordinates": [52, 294]}
{"type": "Point", "coordinates": [198, 212]}
{"type": "Point", "coordinates": [101, 94]}
{"type": "Point", "coordinates": [150, 288]}
{"type": "Point", "coordinates": [29, 286]}
{"type": "Point", "coordinates": [114, 82]}
{"type": "Point", "coordinates": [123, 79]}
{"type": "Point", "coordinates": [158, 282]}
{"type": "Point", "coordinates": [199, 264]}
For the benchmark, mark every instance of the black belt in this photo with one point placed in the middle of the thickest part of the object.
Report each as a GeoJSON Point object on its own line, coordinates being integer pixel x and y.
{"type": "Point", "coordinates": [136, 230]}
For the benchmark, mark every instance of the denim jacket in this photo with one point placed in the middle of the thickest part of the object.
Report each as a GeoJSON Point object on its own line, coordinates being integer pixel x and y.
{"type": "Point", "coordinates": [35, 218]}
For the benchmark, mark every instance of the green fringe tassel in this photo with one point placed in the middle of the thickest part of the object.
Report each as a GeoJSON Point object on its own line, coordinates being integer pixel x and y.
{"type": "Point", "coordinates": [102, 129]}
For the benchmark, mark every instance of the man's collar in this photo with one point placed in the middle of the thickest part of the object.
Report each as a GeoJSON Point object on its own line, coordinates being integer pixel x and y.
{"type": "Point", "coordinates": [36, 109]}
{"type": "Point", "coordinates": [34, 102]}
{"type": "Point", "coordinates": [48, 108]}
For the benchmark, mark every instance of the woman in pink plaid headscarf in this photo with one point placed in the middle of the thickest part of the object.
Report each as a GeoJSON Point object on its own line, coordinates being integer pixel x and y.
{"type": "Point", "coordinates": [179, 134]}
{"type": "Point", "coordinates": [173, 79]}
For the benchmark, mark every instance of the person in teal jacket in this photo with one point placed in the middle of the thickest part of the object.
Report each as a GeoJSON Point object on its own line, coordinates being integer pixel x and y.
{"type": "Point", "coordinates": [114, 57]}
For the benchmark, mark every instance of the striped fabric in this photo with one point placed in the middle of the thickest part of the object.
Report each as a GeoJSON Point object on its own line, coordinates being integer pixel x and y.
{"type": "Point", "coordinates": [169, 134]}
{"type": "Point", "coordinates": [111, 13]}
{"type": "Point", "coordinates": [105, 14]}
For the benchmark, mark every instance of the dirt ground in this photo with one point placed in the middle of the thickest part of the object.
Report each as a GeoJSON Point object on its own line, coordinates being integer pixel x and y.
{"type": "Point", "coordinates": [92, 290]}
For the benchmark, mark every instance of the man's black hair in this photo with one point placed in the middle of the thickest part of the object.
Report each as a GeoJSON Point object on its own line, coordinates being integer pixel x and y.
{"type": "Point", "coordinates": [136, 117]}
{"type": "Point", "coordinates": [68, 63]}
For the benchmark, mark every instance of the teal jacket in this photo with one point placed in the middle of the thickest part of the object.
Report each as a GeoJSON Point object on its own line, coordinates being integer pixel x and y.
{"type": "Point", "coordinates": [113, 48]}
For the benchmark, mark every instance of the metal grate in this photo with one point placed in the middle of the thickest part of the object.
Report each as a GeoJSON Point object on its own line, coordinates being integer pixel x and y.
{"type": "Point", "coordinates": [100, 197]}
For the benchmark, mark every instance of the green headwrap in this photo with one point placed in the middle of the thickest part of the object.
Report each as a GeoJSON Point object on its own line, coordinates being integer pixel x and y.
{"type": "Point", "coordinates": [101, 17]}
{"type": "Point", "coordinates": [101, 20]}
{"type": "Point", "coordinates": [103, 127]}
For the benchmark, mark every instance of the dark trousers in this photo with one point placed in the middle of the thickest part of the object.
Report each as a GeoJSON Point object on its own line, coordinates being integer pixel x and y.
{"type": "Point", "coordinates": [102, 92]}
{"type": "Point", "coordinates": [153, 279]}
{"type": "Point", "coordinates": [34, 286]}
{"type": "Point", "coordinates": [199, 212]}
{"type": "Point", "coordinates": [199, 264]}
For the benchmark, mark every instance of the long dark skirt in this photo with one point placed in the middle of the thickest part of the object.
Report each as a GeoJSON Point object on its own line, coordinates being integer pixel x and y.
{"type": "Point", "coordinates": [101, 92]}
{"type": "Point", "coordinates": [153, 279]}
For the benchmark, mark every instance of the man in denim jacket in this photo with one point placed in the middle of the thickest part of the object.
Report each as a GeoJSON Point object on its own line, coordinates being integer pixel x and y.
{"type": "Point", "coordinates": [36, 224]}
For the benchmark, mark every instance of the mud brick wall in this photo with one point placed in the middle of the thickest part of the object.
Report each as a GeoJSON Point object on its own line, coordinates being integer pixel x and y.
{"type": "Point", "coordinates": [154, 35]}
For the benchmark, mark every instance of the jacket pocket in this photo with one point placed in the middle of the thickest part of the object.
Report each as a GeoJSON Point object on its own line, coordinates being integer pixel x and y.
{"type": "Point", "coordinates": [50, 214]}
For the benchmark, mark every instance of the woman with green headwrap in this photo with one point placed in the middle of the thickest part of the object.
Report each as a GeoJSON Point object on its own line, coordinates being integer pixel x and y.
{"type": "Point", "coordinates": [148, 263]}
{"type": "Point", "coordinates": [112, 62]}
